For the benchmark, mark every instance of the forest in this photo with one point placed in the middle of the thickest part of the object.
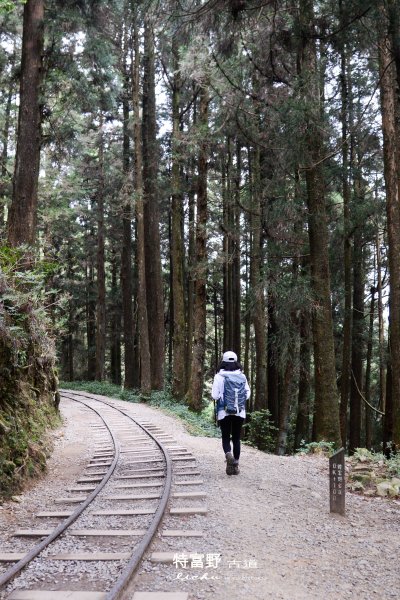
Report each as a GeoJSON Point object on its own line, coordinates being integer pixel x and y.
{"type": "Point", "coordinates": [183, 177]}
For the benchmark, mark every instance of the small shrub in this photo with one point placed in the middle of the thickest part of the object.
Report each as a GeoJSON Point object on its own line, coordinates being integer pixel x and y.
{"type": "Point", "coordinates": [259, 431]}
{"type": "Point", "coordinates": [394, 465]}
{"type": "Point", "coordinates": [364, 455]}
{"type": "Point", "coordinates": [325, 448]}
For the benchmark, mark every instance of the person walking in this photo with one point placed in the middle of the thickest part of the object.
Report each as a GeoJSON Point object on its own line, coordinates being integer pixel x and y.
{"type": "Point", "coordinates": [230, 390]}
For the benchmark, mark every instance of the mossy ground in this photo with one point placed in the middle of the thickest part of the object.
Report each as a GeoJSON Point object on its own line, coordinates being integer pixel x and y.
{"type": "Point", "coordinates": [368, 470]}
{"type": "Point", "coordinates": [25, 444]}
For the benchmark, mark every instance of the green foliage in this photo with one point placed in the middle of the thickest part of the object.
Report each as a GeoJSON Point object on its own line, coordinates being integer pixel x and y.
{"type": "Point", "coordinates": [364, 455]}
{"type": "Point", "coordinates": [28, 384]}
{"type": "Point", "coordinates": [392, 464]}
{"type": "Point", "coordinates": [260, 432]}
{"type": "Point", "coordinates": [325, 448]}
{"type": "Point", "coordinates": [7, 6]}
{"type": "Point", "coordinates": [24, 445]}
{"type": "Point", "coordinates": [196, 423]}
{"type": "Point", "coordinates": [24, 324]}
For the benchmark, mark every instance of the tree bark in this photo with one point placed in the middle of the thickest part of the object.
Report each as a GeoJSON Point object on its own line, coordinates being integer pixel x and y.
{"type": "Point", "coordinates": [382, 349]}
{"type": "Point", "coordinates": [179, 383]}
{"type": "Point", "coordinates": [258, 311]}
{"type": "Point", "coordinates": [5, 187]}
{"type": "Point", "coordinates": [154, 284]}
{"type": "Point", "coordinates": [144, 344]}
{"type": "Point", "coordinates": [126, 252]}
{"type": "Point", "coordinates": [23, 211]}
{"type": "Point", "coordinates": [101, 273]}
{"type": "Point", "coordinates": [391, 173]}
{"type": "Point", "coordinates": [347, 322]}
{"type": "Point", "coordinates": [368, 411]}
{"type": "Point", "coordinates": [236, 274]}
{"type": "Point", "coordinates": [227, 246]}
{"type": "Point", "coordinates": [90, 317]}
{"type": "Point", "coordinates": [326, 412]}
{"type": "Point", "coordinates": [191, 265]}
{"type": "Point", "coordinates": [357, 353]}
{"type": "Point", "coordinates": [195, 392]}
{"type": "Point", "coordinates": [247, 322]}
{"type": "Point", "coordinates": [115, 323]}
{"type": "Point", "coordinates": [272, 366]}
{"type": "Point", "coordinates": [284, 408]}
{"type": "Point", "coordinates": [302, 431]}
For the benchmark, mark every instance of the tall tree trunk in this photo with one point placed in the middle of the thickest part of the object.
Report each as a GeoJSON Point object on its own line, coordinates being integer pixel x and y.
{"type": "Point", "coordinates": [4, 176]}
{"type": "Point", "coordinates": [357, 353]}
{"type": "Point", "coordinates": [326, 414]}
{"type": "Point", "coordinates": [23, 211]}
{"type": "Point", "coordinates": [154, 284]}
{"type": "Point", "coordinates": [236, 275]}
{"type": "Point", "coordinates": [391, 173]}
{"type": "Point", "coordinates": [191, 264]}
{"type": "Point", "coordinates": [284, 408]}
{"type": "Point", "coordinates": [302, 431]}
{"type": "Point", "coordinates": [272, 364]}
{"type": "Point", "coordinates": [388, 446]}
{"type": "Point", "coordinates": [144, 344]}
{"type": "Point", "coordinates": [91, 318]}
{"type": "Point", "coordinates": [381, 330]}
{"type": "Point", "coordinates": [179, 358]}
{"type": "Point", "coordinates": [195, 392]}
{"type": "Point", "coordinates": [257, 287]}
{"type": "Point", "coordinates": [115, 323]}
{"type": "Point", "coordinates": [170, 322]}
{"type": "Point", "coordinates": [226, 168]}
{"type": "Point", "coordinates": [67, 358]}
{"type": "Point", "coordinates": [101, 273]}
{"type": "Point", "coordinates": [347, 322]}
{"type": "Point", "coordinates": [126, 252]}
{"type": "Point", "coordinates": [247, 323]}
{"type": "Point", "coordinates": [368, 411]}
{"type": "Point", "coordinates": [216, 337]}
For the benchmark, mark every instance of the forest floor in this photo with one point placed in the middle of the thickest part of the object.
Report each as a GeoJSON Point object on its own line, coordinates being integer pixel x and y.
{"type": "Point", "coordinates": [270, 524]}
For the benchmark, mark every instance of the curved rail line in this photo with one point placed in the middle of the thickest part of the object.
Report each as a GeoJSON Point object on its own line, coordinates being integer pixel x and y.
{"type": "Point", "coordinates": [38, 548]}
{"type": "Point", "coordinates": [141, 547]}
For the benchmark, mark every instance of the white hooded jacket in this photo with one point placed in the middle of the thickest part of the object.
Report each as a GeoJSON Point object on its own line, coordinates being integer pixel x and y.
{"type": "Point", "coordinates": [217, 392]}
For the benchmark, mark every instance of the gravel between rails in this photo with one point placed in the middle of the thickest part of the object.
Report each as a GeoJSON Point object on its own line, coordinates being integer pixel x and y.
{"type": "Point", "coordinates": [270, 524]}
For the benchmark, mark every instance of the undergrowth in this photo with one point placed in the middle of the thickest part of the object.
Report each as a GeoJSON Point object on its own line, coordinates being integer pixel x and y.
{"type": "Point", "coordinates": [325, 448]}
{"type": "Point", "coordinates": [196, 423]}
{"type": "Point", "coordinates": [28, 382]}
{"type": "Point", "coordinates": [260, 432]}
{"type": "Point", "coordinates": [392, 464]}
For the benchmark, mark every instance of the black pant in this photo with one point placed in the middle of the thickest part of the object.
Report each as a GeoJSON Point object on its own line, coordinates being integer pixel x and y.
{"type": "Point", "coordinates": [231, 425]}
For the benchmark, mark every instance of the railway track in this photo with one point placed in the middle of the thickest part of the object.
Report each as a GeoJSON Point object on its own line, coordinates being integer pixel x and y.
{"type": "Point", "coordinates": [128, 480]}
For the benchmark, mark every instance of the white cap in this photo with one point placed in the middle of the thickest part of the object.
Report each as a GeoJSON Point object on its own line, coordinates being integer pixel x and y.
{"type": "Point", "coordinates": [229, 356]}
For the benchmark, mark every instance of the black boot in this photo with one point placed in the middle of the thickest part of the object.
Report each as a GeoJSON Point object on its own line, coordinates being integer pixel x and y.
{"type": "Point", "coordinates": [229, 463]}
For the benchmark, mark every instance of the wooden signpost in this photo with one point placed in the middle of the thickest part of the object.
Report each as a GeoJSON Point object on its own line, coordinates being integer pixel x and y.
{"type": "Point", "coordinates": [337, 482]}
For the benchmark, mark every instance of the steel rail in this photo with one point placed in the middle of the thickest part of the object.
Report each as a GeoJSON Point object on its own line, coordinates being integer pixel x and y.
{"type": "Point", "coordinates": [119, 587]}
{"type": "Point", "coordinates": [38, 548]}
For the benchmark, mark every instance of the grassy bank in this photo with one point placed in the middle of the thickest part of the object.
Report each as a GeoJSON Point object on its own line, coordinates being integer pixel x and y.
{"type": "Point", "coordinates": [28, 381]}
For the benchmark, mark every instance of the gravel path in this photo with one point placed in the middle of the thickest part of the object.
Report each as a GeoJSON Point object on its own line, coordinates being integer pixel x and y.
{"type": "Point", "coordinates": [268, 533]}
